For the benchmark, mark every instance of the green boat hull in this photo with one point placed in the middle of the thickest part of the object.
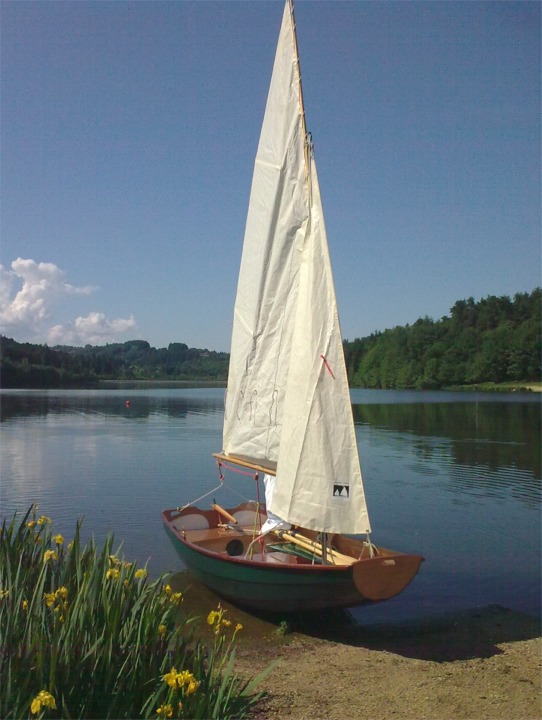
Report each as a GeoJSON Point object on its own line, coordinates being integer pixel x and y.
{"type": "Point", "coordinates": [268, 586]}
{"type": "Point", "coordinates": [279, 575]}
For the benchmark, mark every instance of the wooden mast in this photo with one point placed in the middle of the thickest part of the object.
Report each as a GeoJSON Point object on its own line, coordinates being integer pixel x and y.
{"type": "Point", "coordinates": [300, 86]}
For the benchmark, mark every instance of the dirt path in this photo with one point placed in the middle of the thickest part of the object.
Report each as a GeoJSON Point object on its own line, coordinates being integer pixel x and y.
{"type": "Point", "coordinates": [478, 665]}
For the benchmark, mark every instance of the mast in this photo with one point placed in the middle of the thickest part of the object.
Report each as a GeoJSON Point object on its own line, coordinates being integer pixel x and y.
{"type": "Point", "coordinates": [300, 88]}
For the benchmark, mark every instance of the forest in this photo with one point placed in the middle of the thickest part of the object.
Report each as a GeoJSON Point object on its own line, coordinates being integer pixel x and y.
{"type": "Point", "coordinates": [25, 365]}
{"type": "Point", "coordinates": [494, 340]}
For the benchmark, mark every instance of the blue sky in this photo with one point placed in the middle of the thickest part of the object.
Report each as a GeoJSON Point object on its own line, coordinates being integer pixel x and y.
{"type": "Point", "coordinates": [129, 131]}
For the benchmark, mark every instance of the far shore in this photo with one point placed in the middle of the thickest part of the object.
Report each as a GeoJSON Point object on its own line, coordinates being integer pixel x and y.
{"type": "Point", "coordinates": [499, 387]}
{"type": "Point", "coordinates": [515, 387]}
{"type": "Point", "coordinates": [483, 387]}
{"type": "Point", "coordinates": [526, 387]}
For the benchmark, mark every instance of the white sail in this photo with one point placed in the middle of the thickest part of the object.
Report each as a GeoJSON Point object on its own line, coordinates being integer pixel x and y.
{"type": "Point", "coordinates": [288, 403]}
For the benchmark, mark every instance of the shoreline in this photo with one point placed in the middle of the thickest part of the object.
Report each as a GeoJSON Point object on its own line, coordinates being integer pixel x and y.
{"type": "Point", "coordinates": [522, 388]}
{"type": "Point", "coordinates": [480, 663]}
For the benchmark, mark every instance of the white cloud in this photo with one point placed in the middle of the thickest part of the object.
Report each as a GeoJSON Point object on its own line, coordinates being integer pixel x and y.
{"type": "Point", "coordinates": [27, 314]}
{"type": "Point", "coordinates": [94, 329]}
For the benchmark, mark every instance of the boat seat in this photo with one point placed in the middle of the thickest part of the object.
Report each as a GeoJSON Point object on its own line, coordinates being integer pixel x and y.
{"type": "Point", "coordinates": [191, 521]}
{"type": "Point", "coordinates": [248, 518]}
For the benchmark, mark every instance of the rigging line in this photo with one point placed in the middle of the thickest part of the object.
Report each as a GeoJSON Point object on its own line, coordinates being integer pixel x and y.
{"type": "Point", "coordinates": [239, 495]}
{"type": "Point", "coordinates": [236, 470]}
{"type": "Point", "coordinates": [231, 489]}
{"type": "Point", "coordinates": [257, 479]}
{"type": "Point", "coordinates": [373, 550]}
{"type": "Point", "coordinates": [193, 502]}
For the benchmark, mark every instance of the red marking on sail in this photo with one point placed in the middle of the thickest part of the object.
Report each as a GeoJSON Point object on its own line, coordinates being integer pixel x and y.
{"type": "Point", "coordinates": [327, 365]}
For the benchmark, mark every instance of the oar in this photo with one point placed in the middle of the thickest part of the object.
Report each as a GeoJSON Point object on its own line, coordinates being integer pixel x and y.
{"type": "Point", "coordinates": [283, 535]}
{"type": "Point", "coordinates": [225, 513]}
{"type": "Point", "coordinates": [319, 548]}
{"type": "Point", "coordinates": [315, 547]}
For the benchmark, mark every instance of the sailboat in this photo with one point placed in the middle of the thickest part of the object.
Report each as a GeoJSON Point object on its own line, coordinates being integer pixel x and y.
{"type": "Point", "coordinates": [288, 415]}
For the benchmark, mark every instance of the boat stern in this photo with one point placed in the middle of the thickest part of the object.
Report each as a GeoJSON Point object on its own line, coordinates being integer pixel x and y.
{"type": "Point", "coordinates": [384, 576]}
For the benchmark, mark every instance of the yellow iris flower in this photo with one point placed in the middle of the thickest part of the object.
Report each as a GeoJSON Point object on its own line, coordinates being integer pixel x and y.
{"type": "Point", "coordinates": [171, 677]}
{"type": "Point", "coordinates": [42, 698]}
{"type": "Point", "coordinates": [165, 711]}
{"type": "Point", "coordinates": [49, 599]}
{"type": "Point", "coordinates": [181, 680]}
{"type": "Point", "coordinates": [192, 686]}
{"type": "Point", "coordinates": [213, 616]}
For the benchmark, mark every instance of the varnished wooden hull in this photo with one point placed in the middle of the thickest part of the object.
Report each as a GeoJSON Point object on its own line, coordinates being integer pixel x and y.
{"type": "Point", "coordinates": [277, 581]}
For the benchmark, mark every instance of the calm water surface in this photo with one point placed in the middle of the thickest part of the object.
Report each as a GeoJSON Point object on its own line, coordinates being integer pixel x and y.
{"type": "Point", "coordinates": [453, 476]}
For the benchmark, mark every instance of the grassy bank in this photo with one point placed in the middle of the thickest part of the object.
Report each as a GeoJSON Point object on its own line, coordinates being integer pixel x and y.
{"type": "Point", "coordinates": [500, 387]}
{"type": "Point", "coordinates": [85, 634]}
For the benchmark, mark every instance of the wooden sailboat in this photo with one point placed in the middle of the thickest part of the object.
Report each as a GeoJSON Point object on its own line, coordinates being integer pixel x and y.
{"type": "Point", "coordinates": [288, 416]}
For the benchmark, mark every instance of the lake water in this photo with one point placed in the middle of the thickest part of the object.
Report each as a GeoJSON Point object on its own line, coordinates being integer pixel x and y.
{"type": "Point", "coordinates": [455, 477]}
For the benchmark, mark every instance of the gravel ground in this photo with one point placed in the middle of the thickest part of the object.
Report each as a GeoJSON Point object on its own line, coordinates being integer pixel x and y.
{"type": "Point", "coordinates": [482, 664]}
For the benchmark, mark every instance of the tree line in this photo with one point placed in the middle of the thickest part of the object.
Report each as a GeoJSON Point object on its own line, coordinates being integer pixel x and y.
{"type": "Point", "coordinates": [497, 339]}
{"type": "Point", "coordinates": [26, 365]}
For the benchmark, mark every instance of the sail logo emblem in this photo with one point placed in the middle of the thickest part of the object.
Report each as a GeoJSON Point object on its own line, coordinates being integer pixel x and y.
{"type": "Point", "coordinates": [341, 491]}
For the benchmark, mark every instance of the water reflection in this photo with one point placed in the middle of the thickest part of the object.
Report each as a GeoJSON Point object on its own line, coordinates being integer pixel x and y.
{"type": "Point", "coordinates": [489, 447]}
{"type": "Point", "coordinates": [453, 479]}
{"type": "Point", "coordinates": [130, 404]}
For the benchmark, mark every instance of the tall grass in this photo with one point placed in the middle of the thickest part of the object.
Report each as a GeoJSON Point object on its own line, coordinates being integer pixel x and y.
{"type": "Point", "coordinates": [84, 634]}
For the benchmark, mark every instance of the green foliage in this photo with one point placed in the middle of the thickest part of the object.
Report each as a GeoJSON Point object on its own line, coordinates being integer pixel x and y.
{"type": "Point", "coordinates": [24, 365]}
{"type": "Point", "coordinates": [83, 634]}
{"type": "Point", "coordinates": [494, 340]}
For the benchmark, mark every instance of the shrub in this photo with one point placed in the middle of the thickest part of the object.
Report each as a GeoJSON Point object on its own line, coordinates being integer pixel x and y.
{"type": "Point", "coordinates": [85, 634]}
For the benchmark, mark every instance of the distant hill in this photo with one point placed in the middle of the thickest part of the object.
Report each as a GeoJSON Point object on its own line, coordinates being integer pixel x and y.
{"type": "Point", "coordinates": [496, 339]}
{"type": "Point", "coordinates": [25, 365]}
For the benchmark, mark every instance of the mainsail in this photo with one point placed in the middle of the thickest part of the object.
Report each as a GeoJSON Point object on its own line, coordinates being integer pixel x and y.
{"type": "Point", "coordinates": [288, 404]}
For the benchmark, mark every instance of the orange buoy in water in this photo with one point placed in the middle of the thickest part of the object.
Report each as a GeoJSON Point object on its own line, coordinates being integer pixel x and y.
{"type": "Point", "coordinates": [128, 403]}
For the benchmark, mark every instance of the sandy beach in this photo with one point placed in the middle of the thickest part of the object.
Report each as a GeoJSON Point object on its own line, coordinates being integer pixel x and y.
{"type": "Point", "coordinates": [477, 665]}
